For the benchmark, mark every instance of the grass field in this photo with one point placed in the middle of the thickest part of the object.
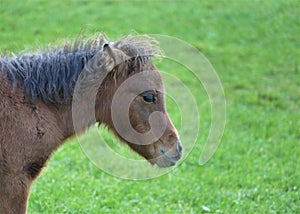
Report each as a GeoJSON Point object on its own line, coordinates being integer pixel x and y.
{"type": "Point", "coordinates": [254, 47]}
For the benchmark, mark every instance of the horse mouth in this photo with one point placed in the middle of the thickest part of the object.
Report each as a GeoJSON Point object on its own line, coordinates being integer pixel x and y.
{"type": "Point", "coordinates": [166, 160]}
{"type": "Point", "coordinates": [172, 160]}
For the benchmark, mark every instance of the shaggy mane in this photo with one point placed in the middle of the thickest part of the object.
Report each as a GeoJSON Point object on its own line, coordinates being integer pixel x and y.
{"type": "Point", "coordinates": [51, 75]}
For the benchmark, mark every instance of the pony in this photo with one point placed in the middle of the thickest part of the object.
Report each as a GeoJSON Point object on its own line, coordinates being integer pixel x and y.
{"type": "Point", "coordinates": [37, 95]}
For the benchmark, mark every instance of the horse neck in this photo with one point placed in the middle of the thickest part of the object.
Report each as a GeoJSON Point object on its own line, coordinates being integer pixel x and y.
{"type": "Point", "coordinates": [73, 119]}
{"type": "Point", "coordinates": [86, 109]}
{"type": "Point", "coordinates": [65, 120]}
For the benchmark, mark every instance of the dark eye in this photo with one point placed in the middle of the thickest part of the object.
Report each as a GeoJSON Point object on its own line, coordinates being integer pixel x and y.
{"type": "Point", "coordinates": [148, 98]}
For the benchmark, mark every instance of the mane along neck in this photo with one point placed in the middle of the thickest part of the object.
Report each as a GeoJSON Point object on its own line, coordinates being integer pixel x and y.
{"type": "Point", "coordinates": [51, 76]}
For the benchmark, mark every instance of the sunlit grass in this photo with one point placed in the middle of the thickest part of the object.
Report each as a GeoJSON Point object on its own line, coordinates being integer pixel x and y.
{"type": "Point", "coordinates": [254, 47]}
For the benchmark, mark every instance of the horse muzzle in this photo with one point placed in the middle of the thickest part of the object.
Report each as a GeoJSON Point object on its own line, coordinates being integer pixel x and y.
{"type": "Point", "coordinates": [169, 157]}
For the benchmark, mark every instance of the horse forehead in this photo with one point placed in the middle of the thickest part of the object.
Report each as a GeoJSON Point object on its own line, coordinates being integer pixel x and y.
{"type": "Point", "coordinates": [141, 82]}
{"type": "Point", "coordinates": [153, 73]}
{"type": "Point", "coordinates": [152, 78]}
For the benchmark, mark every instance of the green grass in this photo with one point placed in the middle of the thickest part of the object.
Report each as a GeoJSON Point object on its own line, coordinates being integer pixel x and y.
{"type": "Point", "coordinates": [254, 47]}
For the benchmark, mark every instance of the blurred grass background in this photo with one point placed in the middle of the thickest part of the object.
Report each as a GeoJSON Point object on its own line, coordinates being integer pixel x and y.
{"type": "Point", "coordinates": [253, 46]}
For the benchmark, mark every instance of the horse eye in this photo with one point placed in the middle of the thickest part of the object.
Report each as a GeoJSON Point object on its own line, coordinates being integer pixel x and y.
{"type": "Point", "coordinates": [148, 98]}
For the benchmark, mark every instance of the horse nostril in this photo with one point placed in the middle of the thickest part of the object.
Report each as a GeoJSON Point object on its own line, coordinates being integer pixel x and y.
{"type": "Point", "coordinates": [162, 151]}
{"type": "Point", "coordinates": [178, 147]}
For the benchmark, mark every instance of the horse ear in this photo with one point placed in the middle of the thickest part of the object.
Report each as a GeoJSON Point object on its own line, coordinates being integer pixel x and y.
{"type": "Point", "coordinates": [112, 57]}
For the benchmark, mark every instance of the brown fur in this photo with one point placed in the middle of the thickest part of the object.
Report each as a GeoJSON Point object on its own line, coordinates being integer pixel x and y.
{"type": "Point", "coordinates": [31, 131]}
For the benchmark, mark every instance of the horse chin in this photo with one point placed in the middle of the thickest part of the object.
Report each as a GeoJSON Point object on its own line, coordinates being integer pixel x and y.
{"type": "Point", "coordinates": [157, 154]}
{"type": "Point", "coordinates": [162, 162]}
